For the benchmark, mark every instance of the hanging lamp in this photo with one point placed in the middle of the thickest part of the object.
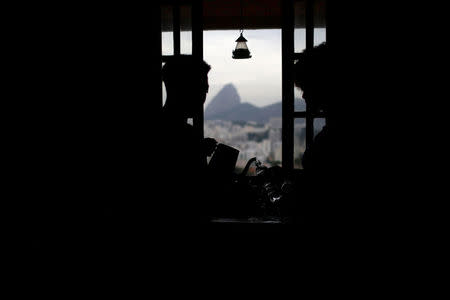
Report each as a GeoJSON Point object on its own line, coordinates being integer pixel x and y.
{"type": "Point", "coordinates": [241, 51]}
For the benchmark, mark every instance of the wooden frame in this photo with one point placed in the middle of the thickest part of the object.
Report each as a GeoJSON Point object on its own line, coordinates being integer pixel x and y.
{"type": "Point", "coordinates": [287, 53]}
{"type": "Point", "coordinates": [197, 52]}
{"type": "Point", "coordinates": [309, 24]}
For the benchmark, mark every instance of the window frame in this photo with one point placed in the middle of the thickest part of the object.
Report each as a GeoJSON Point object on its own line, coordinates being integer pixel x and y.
{"type": "Point", "coordinates": [289, 115]}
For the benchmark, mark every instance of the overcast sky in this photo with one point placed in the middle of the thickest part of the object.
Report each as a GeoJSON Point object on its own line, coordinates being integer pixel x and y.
{"type": "Point", "coordinates": [258, 79]}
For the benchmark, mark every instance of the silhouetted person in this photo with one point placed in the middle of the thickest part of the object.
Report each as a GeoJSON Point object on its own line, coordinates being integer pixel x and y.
{"type": "Point", "coordinates": [184, 164]}
{"type": "Point", "coordinates": [313, 77]}
{"type": "Point", "coordinates": [322, 161]}
{"type": "Point", "coordinates": [340, 210]}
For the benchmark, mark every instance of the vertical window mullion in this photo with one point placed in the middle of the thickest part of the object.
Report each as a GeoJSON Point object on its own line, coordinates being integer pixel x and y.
{"type": "Point", "coordinates": [176, 31]}
{"type": "Point", "coordinates": [197, 52]}
{"type": "Point", "coordinates": [309, 24]}
{"type": "Point", "coordinates": [157, 52]}
{"type": "Point", "coordinates": [287, 84]}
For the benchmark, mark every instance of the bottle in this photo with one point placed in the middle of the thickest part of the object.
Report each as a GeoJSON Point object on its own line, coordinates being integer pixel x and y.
{"type": "Point", "coordinates": [269, 188]}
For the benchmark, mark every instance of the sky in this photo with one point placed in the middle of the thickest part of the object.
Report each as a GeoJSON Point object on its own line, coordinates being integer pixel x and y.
{"type": "Point", "coordinates": [258, 79]}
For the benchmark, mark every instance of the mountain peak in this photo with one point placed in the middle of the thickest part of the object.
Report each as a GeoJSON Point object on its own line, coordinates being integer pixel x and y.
{"type": "Point", "coordinates": [227, 98]}
{"type": "Point", "coordinates": [229, 86]}
{"type": "Point", "coordinates": [227, 105]}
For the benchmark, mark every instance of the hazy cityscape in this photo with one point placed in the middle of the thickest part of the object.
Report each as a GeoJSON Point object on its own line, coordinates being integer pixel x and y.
{"type": "Point", "coordinates": [254, 131]}
{"type": "Point", "coordinates": [262, 141]}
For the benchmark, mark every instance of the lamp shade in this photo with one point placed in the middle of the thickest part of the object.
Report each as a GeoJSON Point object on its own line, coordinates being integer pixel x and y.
{"type": "Point", "coordinates": [241, 51]}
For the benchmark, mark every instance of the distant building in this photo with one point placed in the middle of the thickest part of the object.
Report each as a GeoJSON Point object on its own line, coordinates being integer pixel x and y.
{"type": "Point", "coordinates": [236, 134]}
{"type": "Point", "coordinates": [275, 123]}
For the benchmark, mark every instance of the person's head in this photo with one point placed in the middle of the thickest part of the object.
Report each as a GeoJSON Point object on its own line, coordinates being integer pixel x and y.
{"type": "Point", "coordinates": [186, 81]}
{"type": "Point", "coordinates": [312, 76]}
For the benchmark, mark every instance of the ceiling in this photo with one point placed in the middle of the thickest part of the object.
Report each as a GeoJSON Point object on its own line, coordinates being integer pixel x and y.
{"type": "Point", "coordinates": [256, 14]}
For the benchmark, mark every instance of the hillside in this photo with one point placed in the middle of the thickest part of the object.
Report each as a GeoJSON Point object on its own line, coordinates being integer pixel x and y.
{"type": "Point", "coordinates": [227, 106]}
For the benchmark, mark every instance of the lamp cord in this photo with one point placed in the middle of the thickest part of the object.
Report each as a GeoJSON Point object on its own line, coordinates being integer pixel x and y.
{"type": "Point", "coordinates": [242, 17]}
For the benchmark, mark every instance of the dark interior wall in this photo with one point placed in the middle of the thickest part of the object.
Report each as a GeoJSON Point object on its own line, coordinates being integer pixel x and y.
{"type": "Point", "coordinates": [110, 89]}
{"type": "Point", "coordinates": [89, 107]}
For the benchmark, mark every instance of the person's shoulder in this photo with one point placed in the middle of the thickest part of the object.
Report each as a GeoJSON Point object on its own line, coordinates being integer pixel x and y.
{"type": "Point", "coordinates": [324, 134]}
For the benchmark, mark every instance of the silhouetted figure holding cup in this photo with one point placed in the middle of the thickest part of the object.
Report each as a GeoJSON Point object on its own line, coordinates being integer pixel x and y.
{"type": "Point", "coordinates": [184, 151]}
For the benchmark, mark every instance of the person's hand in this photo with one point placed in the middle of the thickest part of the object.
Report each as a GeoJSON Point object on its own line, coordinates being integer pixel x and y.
{"type": "Point", "coordinates": [209, 145]}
